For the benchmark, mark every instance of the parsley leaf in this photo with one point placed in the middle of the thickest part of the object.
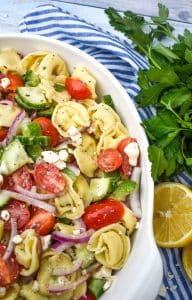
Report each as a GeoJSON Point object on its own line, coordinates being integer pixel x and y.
{"type": "Point", "coordinates": [159, 162]}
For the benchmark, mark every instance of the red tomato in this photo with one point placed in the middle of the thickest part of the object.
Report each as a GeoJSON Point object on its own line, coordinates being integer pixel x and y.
{"type": "Point", "coordinates": [124, 143]}
{"type": "Point", "coordinates": [126, 168]}
{"type": "Point", "coordinates": [3, 133]}
{"type": "Point", "coordinates": [48, 177]}
{"type": "Point", "coordinates": [15, 81]}
{"type": "Point", "coordinates": [48, 129]}
{"type": "Point", "coordinates": [103, 213]}
{"type": "Point", "coordinates": [42, 221]}
{"type": "Point", "coordinates": [4, 274]}
{"type": "Point", "coordinates": [90, 296]}
{"type": "Point", "coordinates": [109, 160]}
{"type": "Point", "coordinates": [23, 178]}
{"type": "Point", "coordinates": [9, 270]}
{"type": "Point", "coordinates": [18, 210]}
{"type": "Point", "coordinates": [77, 89]}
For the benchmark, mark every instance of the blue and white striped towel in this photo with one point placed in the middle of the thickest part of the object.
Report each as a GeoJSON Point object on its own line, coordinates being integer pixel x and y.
{"type": "Point", "coordinates": [119, 57]}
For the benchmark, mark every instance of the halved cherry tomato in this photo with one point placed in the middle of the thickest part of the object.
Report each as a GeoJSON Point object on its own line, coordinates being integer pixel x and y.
{"type": "Point", "coordinates": [9, 270]}
{"type": "Point", "coordinates": [124, 143]}
{"type": "Point", "coordinates": [23, 178]}
{"type": "Point", "coordinates": [109, 160]}
{"type": "Point", "coordinates": [15, 81]}
{"type": "Point", "coordinates": [48, 177]}
{"type": "Point", "coordinates": [48, 129]}
{"type": "Point", "coordinates": [126, 168]}
{"type": "Point", "coordinates": [42, 221]}
{"type": "Point", "coordinates": [77, 89]}
{"type": "Point", "coordinates": [18, 210]}
{"type": "Point", "coordinates": [4, 274]}
{"type": "Point", "coordinates": [3, 133]}
{"type": "Point", "coordinates": [103, 213]}
{"type": "Point", "coordinates": [90, 296]}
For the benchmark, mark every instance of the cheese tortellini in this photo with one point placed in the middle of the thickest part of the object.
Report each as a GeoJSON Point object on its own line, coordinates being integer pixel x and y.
{"type": "Point", "coordinates": [69, 205]}
{"type": "Point", "coordinates": [86, 155]}
{"type": "Point", "coordinates": [11, 293]}
{"type": "Point", "coordinates": [111, 246]}
{"type": "Point", "coordinates": [27, 252]}
{"type": "Point", "coordinates": [46, 279]}
{"type": "Point", "coordinates": [70, 114]}
{"type": "Point", "coordinates": [10, 61]}
{"type": "Point", "coordinates": [82, 188]}
{"type": "Point", "coordinates": [129, 220]}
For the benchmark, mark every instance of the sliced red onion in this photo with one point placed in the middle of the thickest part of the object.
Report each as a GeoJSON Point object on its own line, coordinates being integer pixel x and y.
{"type": "Point", "coordinates": [63, 143]}
{"type": "Point", "coordinates": [10, 246]}
{"type": "Point", "coordinates": [66, 271]}
{"type": "Point", "coordinates": [31, 201]}
{"type": "Point", "coordinates": [61, 246]}
{"type": "Point", "coordinates": [134, 198]}
{"type": "Point", "coordinates": [35, 195]}
{"type": "Point", "coordinates": [33, 116]}
{"type": "Point", "coordinates": [7, 102]}
{"type": "Point", "coordinates": [56, 289]}
{"type": "Point", "coordinates": [14, 128]}
{"type": "Point", "coordinates": [79, 224]}
{"type": "Point", "coordinates": [74, 168]}
{"type": "Point", "coordinates": [83, 298]}
{"type": "Point", "coordinates": [76, 239]}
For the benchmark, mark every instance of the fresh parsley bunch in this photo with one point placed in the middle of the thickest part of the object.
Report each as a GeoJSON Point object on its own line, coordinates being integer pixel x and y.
{"type": "Point", "coordinates": [166, 85]}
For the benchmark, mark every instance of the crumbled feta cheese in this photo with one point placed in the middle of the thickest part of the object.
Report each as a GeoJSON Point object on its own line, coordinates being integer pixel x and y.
{"type": "Point", "coordinates": [76, 231]}
{"type": "Point", "coordinates": [84, 272]}
{"type": "Point", "coordinates": [63, 155]}
{"type": "Point", "coordinates": [77, 138]}
{"type": "Point", "coordinates": [17, 239]}
{"type": "Point", "coordinates": [103, 272]}
{"type": "Point", "coordinates": [50, 156]}
{"type": "Point", "coordinates": [74, 209]}
{"type": "Point", "coordinates": [5, 215]}
{"type": "Point", "coordinates": [60, 164]}
{"type": "Point", "coordinates": [46, 241]}
{"type": "Point", "coordinates": [162, 291]}
{"type": "Point", "coordinates": [132, 151]}
{"type": "Point", "coordinates": [5, 82]}
{"type": "Point", "coordinates": [3, 168]}
{"type": "Point", "coordinates": [35, 287]}
{"type": "Point", "coordinates": [72, 131]}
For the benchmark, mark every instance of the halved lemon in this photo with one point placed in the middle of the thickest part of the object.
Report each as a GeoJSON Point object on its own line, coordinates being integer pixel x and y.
{"type": "Point", "coordinates": [172, 220]}
{"type": "Point", "coordinates": [187, 260]}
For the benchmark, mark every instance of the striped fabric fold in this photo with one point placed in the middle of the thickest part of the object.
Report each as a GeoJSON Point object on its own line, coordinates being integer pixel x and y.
{"type": "Point", "coordinates": [123, 61]}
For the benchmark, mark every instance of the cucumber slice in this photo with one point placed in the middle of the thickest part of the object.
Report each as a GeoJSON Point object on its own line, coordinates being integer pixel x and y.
{"type": "Point", "coordinates": [96, 286]}
{"type": "Point", "coordinates": [33, 97]}
{"type": "Point", "coordinates": [34, 151]}
{"type": "Point", "coordinates": [123, 189]}
{"type": "Point", "coordinates": [70, 174]}
{"type": "Point", "coordinates": [22, 103]}
{"type": "Point", "coordinates": [4, 199]}
{"type": "Point", "coordinates": [107, 99]}
{"type": "Point", "coordinates": [63, 221]}
{"type": "Point", "coordinates": [100, 187]}
{"type": "Point", "coordinates": [115, 175]}
{"type": "Point", "coordinates": [33, 140]}
{"type": "Point", "coordinates": [32, 129]}
{"type": "Point", "coordinates": [14, 157]}
{"type": "Point", "coordinates": [46, 112]}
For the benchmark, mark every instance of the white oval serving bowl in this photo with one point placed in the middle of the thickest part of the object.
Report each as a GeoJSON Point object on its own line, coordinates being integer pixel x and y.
{"type": "Point", "coordinates": [141, 277]}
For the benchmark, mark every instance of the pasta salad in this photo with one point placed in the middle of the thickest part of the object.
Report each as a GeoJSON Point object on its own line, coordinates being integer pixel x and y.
{"type": "Point", "coordinates": [69, 181]}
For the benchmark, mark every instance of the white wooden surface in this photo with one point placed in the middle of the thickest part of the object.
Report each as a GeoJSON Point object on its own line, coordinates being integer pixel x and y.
{"type": "Point", "coordinates": [12, 11]}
